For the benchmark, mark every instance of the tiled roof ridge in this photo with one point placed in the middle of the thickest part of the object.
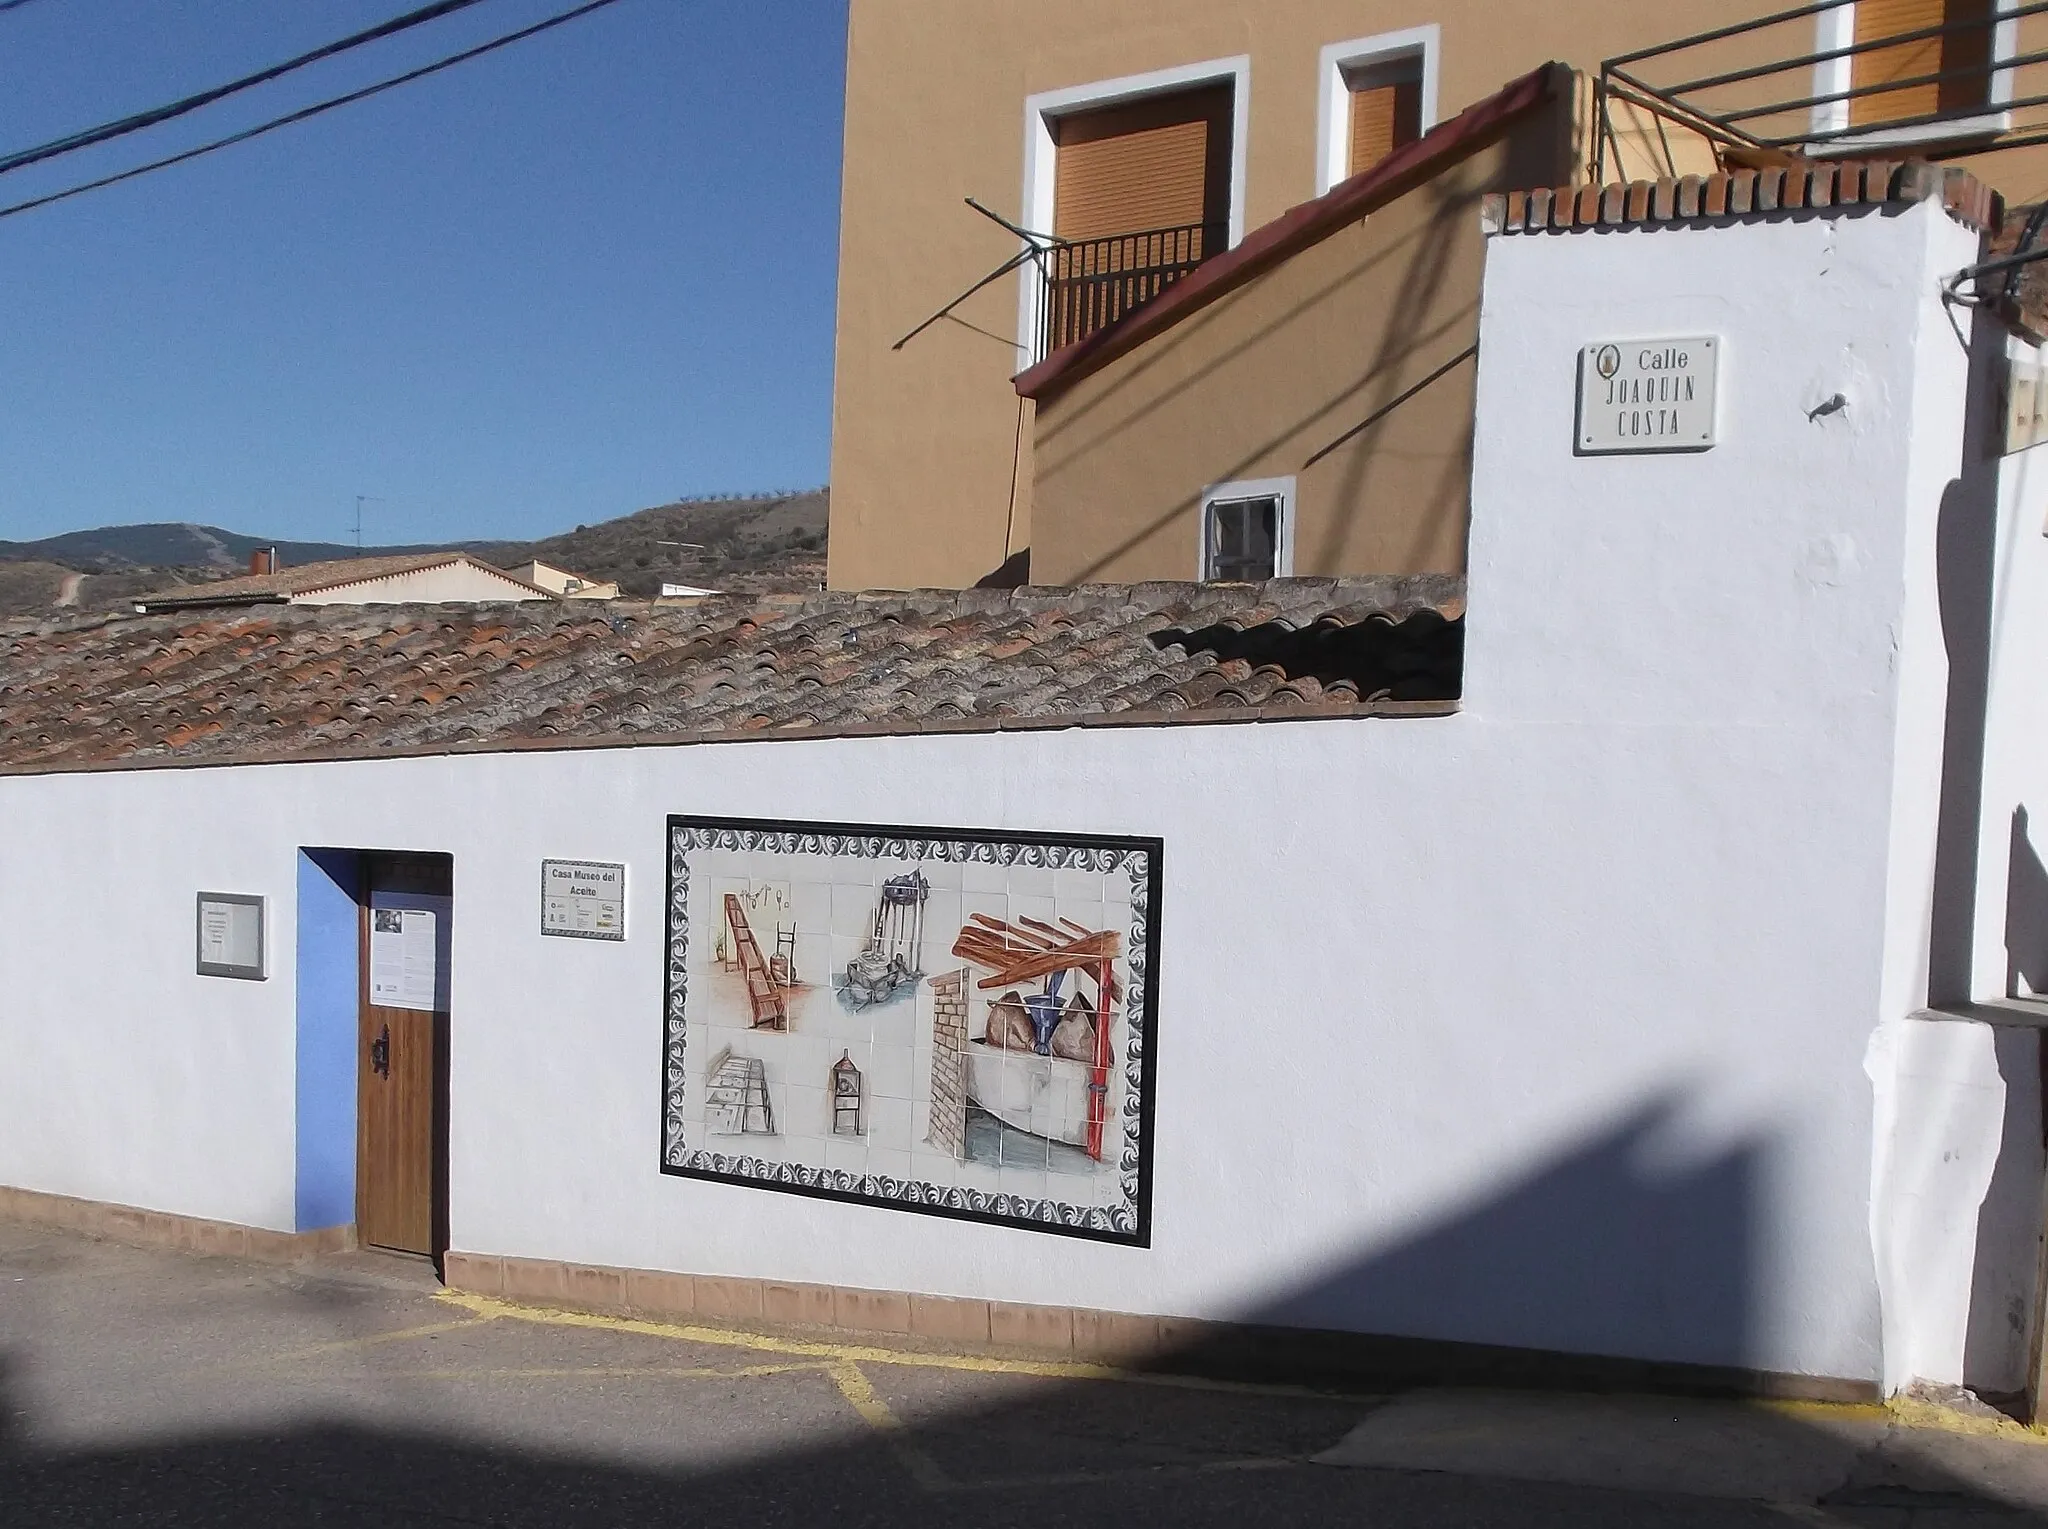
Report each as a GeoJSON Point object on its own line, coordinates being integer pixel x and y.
{"type": "Point", "coordinates": [1744, 193]}
{"type": "Point", "coordinates": [250, 684]}
{"type": "Point", "coordinates": [1302, 227]}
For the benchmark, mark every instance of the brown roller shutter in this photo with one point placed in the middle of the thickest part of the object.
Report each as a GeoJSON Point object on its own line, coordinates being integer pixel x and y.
{"type": "Point", "coordinates": [1968, 50]}
{"type": "Point", "coordinates": [1160, 162]}
{"type": "Point", "coordinates": [1386, 112]}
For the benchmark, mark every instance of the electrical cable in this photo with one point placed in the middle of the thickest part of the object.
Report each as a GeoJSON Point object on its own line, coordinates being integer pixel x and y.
{"type": "Point", "coordinates": [315, 110]}
{"type": "Point", "coordinates": [123, 126]}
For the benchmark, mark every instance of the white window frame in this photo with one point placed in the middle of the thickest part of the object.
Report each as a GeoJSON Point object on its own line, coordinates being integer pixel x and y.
{"type": "Point", "coordinates": [1249, 488]}
{"type": "Point", "coordinates": [1837, 29]}
{"type": "Point", "coordinates": [1333, 100]}
{"type": "Point", "coordinates": [1041, 152]}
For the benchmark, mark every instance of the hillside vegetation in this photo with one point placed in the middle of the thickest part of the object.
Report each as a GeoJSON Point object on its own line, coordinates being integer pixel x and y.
{"type": "Point", "coordinates": [759, 544]}
{"type": "Point", "coordinates": [771, 544]}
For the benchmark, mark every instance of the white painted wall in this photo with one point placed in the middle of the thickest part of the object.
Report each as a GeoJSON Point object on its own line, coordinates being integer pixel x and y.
{"type": "Point", "coordinates": [1545, 1024]}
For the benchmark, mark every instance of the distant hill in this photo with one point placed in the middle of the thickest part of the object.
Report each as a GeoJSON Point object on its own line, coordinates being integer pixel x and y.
{"type": "Point", "coordinates": [758, 544]}
{"type": "Point", "coordinates": [31, 586]}
{"type": "Point", "coordinates": [113, 549]}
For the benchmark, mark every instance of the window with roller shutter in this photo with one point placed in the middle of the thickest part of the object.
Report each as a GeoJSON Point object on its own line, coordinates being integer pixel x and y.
{"type": "Point", "coordinates": [1962, 59]}
{"type": "Point", "coordinates": [1141, 196]}
{"type": "Point", "coordinates": [1386, 110]}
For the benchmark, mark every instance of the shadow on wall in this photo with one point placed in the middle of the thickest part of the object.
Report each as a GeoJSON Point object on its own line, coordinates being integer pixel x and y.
{"type": "Point", "coordinates": [1966, 553]}
{"type": "Point", "coordinates": [1619, 1246]}
{"type": "Point", "coordinates": [2026, 911]}
{"type": "Point", "coordinates": [1619, 1242]}
{"type": "Point", "coordinates": [1343, 410]}
{"type": "Point", "coordinates": [1966, 543]}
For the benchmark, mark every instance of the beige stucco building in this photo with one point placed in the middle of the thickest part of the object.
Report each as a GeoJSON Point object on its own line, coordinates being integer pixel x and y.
{"type": "Point", "coordinates": [1326, 400]}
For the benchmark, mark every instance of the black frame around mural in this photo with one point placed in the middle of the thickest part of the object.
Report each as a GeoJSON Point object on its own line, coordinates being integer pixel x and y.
{"type": "Point", "coordinates": [1145, 1037]}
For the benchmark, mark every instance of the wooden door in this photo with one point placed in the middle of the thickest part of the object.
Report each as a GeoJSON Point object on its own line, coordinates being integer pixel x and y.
{"type": "Point", "coordinates": [402, 1055]}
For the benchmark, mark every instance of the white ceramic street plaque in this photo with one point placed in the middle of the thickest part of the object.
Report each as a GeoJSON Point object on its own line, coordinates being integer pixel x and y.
{"type": "Point", "coordinates": [1648, 395]}
{"type": "Point", "coordinates": [583, 899]}
{"type": "Point", "coordinates": [231, 936]}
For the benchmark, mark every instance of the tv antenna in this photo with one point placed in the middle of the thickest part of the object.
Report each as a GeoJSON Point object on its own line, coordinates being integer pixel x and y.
{"type": "Point", "coordinates": [361, 500]}
{"type": "Point", "coordinates": [1036, 247]}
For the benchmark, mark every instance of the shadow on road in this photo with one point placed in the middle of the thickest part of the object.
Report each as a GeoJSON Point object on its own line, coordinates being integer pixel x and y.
{"type": "Point", "coordinates": [1625, 1243]}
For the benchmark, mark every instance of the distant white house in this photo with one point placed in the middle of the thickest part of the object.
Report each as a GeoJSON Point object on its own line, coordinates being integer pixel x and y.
{"type": "Point", "coordinates": [421, 578]}
{"type": "Point", "coordinates": [684, 591]}
{"type": "Point", "coordinates": [571, 586]}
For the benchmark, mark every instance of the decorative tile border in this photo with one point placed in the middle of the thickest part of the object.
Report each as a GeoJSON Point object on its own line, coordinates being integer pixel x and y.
{"type": "Point", "coordinates": [1126, 1221]}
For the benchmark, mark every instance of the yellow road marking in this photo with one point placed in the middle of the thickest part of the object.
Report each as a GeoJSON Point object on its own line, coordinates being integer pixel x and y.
{"type": "Point", "coordinates": [1914, 1413]}
{"type": "Point", "coordinates": [847, 1353]}
{"type": "Point", "coordinates": [613, 1372]}
{"type": "Point", "coordinates": [862, 1396]}
{"type": "Point", "coordinates": [368, 1340]}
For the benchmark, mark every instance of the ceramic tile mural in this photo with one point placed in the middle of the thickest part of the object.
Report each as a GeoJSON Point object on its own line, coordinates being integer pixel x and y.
{"type": "Point", "coordinates": [946, 1020]}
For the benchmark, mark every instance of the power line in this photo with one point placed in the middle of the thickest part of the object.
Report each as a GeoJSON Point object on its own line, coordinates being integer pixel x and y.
{"type": "Point", "coordinates": [140, 120]}
{"type": "Point", "coordinates": [315, 110]}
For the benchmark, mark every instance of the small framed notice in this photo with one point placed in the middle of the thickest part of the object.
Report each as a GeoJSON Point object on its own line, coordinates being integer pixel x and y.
{"type": "Point", "coordinates": [1648, 395]}
{"type": "Point", "coordinates": [583, 899]}
{"type": "Point", "coordinates": [231, 936]}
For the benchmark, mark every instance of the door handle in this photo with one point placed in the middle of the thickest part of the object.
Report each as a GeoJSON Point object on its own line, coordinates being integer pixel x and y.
{"type": "Point", "coordinates": [380, 1053]}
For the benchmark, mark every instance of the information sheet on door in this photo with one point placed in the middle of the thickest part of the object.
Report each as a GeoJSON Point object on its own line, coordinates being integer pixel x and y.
{"type": "Point", "coordinates": [402, 958]}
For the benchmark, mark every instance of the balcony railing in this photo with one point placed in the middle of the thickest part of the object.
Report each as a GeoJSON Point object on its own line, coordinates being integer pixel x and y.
{"type": "Point", "coordinates": [1088, 284]}
{"type": "Point", "coordinates": [1800, 84]}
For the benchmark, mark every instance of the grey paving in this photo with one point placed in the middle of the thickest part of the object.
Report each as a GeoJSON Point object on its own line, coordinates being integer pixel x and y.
{"type": "Point", "coordinates": [161, 1389]}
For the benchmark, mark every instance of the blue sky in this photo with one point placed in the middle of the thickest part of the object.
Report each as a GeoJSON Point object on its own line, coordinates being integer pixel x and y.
{"type": "Point", "coordinates": [586, 274]}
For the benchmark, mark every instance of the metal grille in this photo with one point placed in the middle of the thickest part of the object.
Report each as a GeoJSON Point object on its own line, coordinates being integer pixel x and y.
{"type": "Point", "coordinates": [1088, 284]}
{"type": "Point", "coordinates": [1810, 82]}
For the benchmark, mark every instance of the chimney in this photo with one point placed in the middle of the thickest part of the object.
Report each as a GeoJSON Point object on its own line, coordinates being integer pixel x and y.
{"type": "Point", "coordinates": [263, 560]}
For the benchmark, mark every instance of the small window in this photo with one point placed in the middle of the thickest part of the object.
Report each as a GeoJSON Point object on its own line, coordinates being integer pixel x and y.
{"type": "Point", "coordinates": [1247, 533]}
{"type": "Point", "coordinates": [1386, 109]}
{"type": "Point", "coordinates": [1374, 94]}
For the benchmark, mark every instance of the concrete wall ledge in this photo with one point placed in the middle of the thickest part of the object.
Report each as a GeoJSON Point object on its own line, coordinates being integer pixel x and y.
{"type": "Point", "coordinates": [1221, 1350]}
{"type": "Point", "coordinates": [161, 1229]}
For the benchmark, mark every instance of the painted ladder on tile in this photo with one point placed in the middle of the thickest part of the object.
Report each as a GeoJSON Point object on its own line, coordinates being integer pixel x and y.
{"type": "Point", "coordinates": [763, 996]}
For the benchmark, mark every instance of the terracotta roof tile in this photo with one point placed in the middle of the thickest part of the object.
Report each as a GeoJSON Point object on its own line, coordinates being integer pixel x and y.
{"type": "Point", "coordinates": [280, 682]}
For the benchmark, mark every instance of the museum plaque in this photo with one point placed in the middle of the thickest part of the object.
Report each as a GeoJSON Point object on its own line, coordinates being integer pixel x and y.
{"type": "Point", "coordinates": [583, 899]}
{"type": "Point", "coordinates": [1647, 395]}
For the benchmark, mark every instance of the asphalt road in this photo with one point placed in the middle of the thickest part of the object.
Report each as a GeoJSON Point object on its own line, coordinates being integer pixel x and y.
{"type": "Point", "coordinates": [163, 1389]}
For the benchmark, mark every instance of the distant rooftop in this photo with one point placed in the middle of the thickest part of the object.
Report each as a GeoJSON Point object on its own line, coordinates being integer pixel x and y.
{"type": "Point", "coordinates": [282, 587]}
{"type": "Point", "coordinates": [330, 682]}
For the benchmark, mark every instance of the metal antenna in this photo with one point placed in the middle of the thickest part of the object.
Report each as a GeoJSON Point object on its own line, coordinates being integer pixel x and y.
{"type": "Point", "coordinates": [1045, 241]}
{"type": "Point", "coordinates": [1036, 246]}
{"type": "Point", "coordinates": [361, 499]}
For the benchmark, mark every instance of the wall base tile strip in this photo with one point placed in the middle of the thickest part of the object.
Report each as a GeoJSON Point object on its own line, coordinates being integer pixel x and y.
{"type": "Point", "coordinates": [1228, 1351]}
{"type": "Point", "coordinates": [161, 1229]}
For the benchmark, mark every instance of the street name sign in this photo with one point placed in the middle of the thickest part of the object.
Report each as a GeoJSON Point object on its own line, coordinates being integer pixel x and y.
{"type": "Point", "coordinates": [1648, 395]}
